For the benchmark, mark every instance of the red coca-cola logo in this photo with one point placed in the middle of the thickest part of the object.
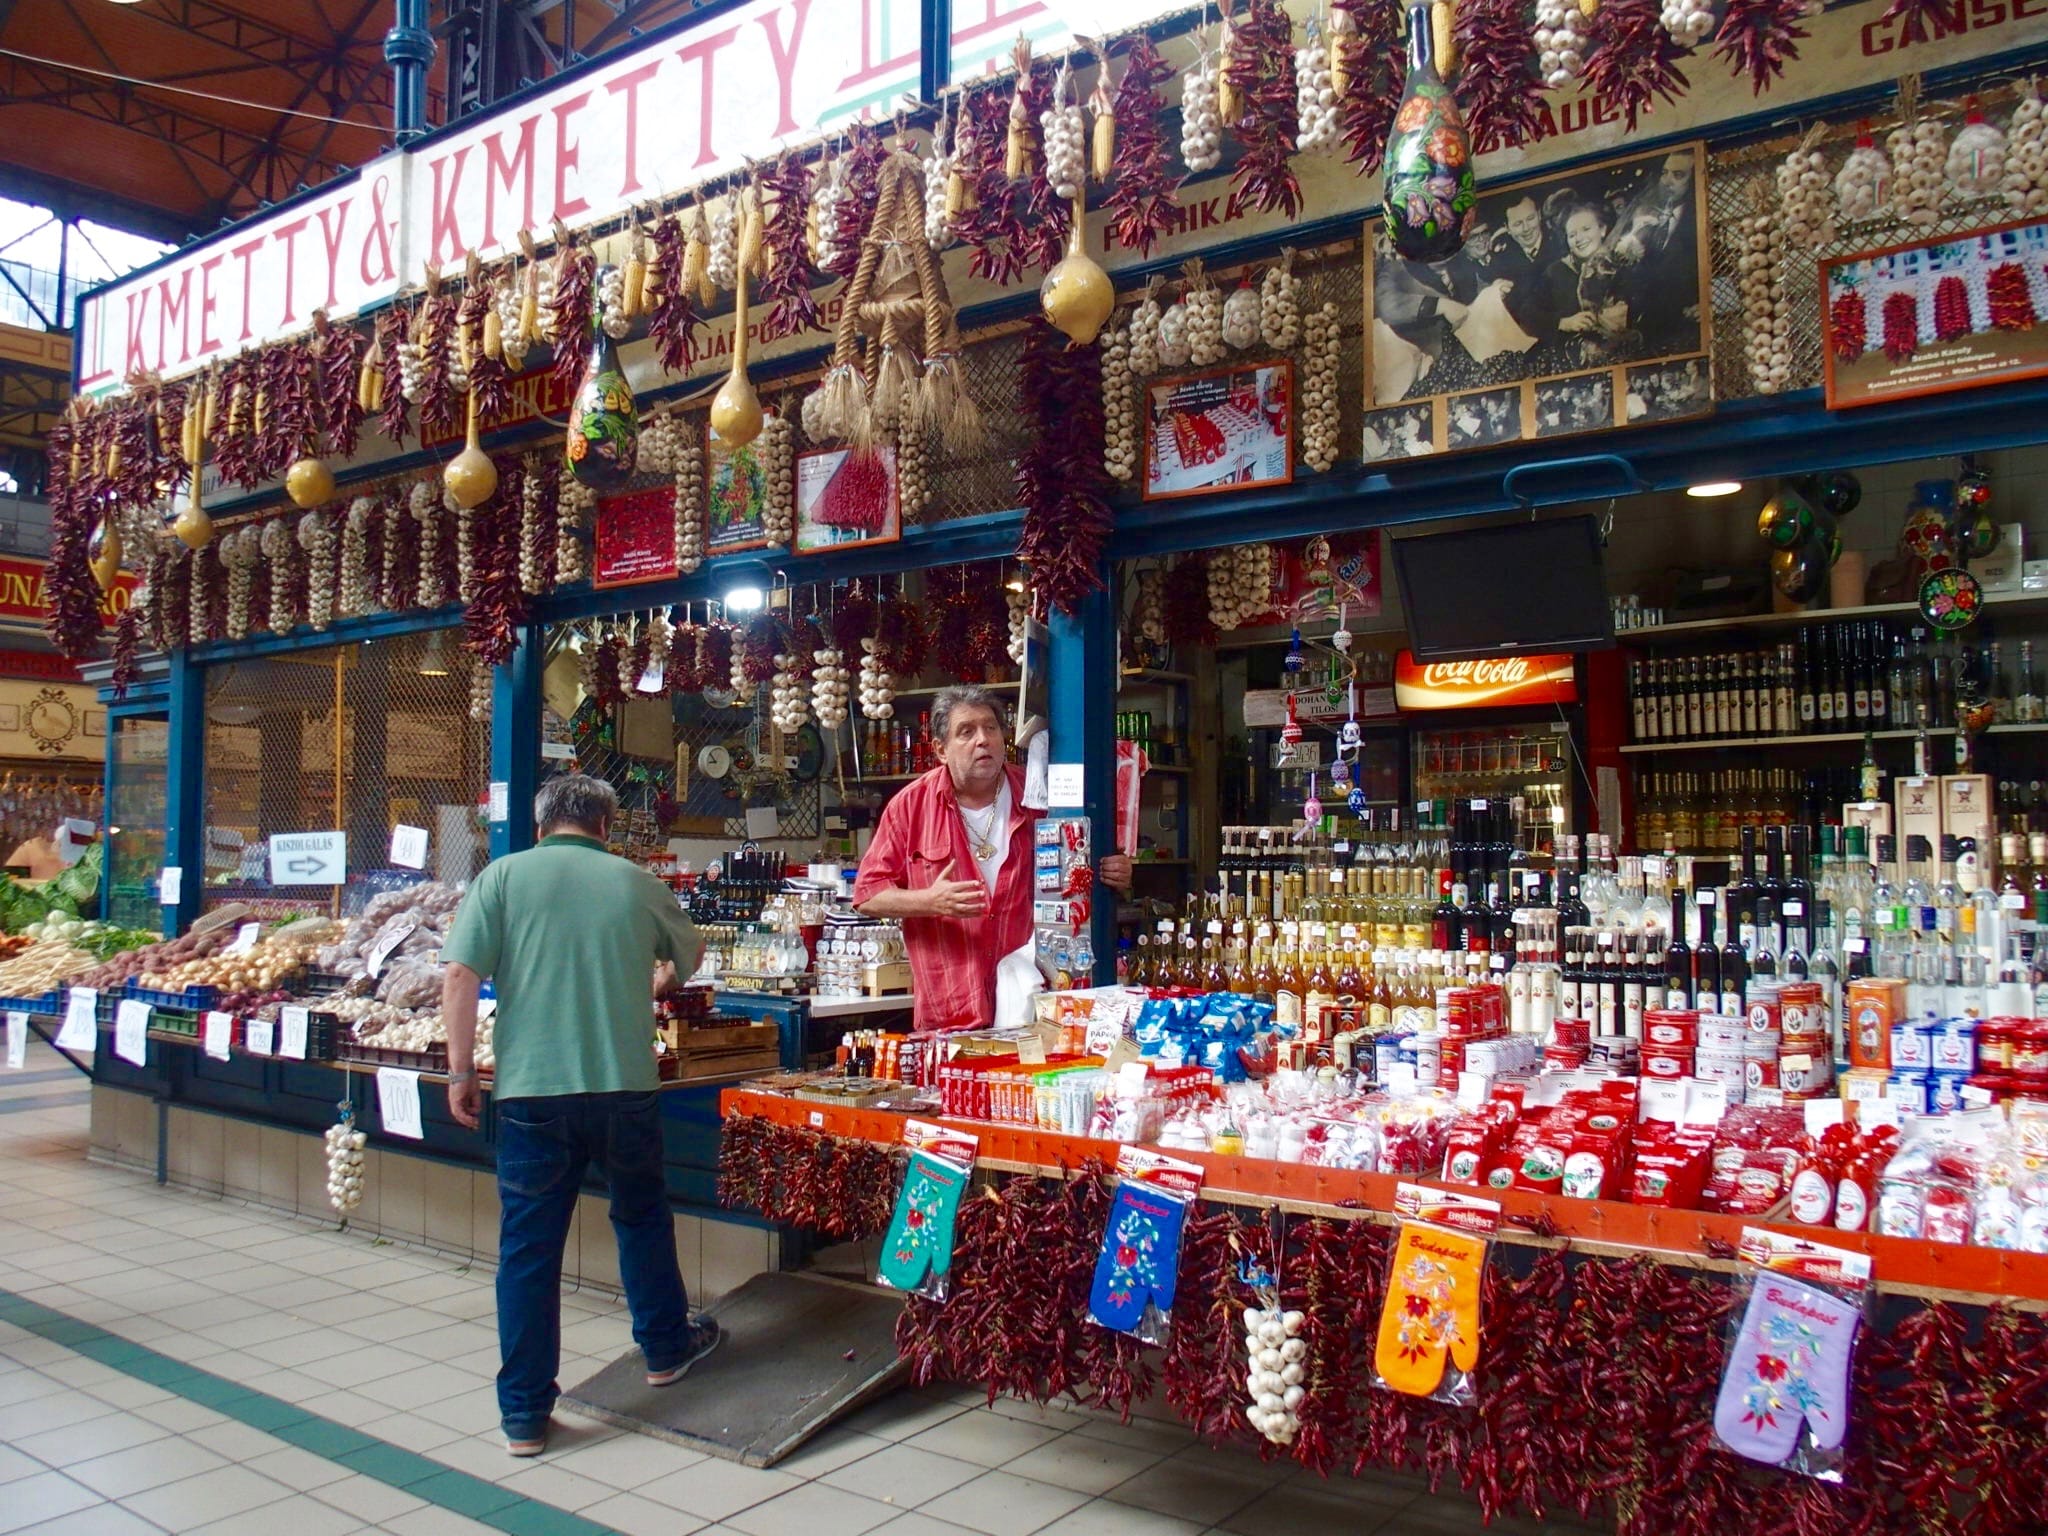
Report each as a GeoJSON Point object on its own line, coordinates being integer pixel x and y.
{"type": "Point", "coordinates": [1479, 674]}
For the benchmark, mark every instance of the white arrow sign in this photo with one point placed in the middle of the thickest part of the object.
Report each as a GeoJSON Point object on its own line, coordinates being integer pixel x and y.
{"type": "Point", "coordinates": [309, 858]}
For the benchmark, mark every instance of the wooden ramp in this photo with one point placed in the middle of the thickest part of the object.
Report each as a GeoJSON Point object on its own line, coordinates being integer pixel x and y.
{"type": "Point", "coordinates": [799, 1350]}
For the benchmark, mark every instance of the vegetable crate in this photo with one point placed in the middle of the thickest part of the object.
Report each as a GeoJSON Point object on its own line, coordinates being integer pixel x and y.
{"type": "Point", "coordinates": [192, 999]}
{"type": "Point", "coordinates": [432, 1059]}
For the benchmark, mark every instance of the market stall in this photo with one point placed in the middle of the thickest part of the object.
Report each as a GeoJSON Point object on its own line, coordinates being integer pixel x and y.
{"type": "Point", "coordinates": [826, 452]}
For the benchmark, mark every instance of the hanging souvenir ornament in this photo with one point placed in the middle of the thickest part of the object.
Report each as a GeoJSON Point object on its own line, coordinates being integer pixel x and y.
{"type": "Point", "coordinates": [603, 445]}
{"type": "Point", "coordinates": [1294, 660]}
{"type": "Point", "coordinates": [309, 482]}
{"type": "Point", "coordinates": [1431, 196]}
{"type": "Point", "coordinates": [1311, 808]}
{"type": "Point", "coordinates": [1976, 155]}
{"type": "Point", "coordinates": [1976, 530]}
{"type": "Point", "coordinates": [470, 477]}
{"type": "Point", "coordinates": [1077, 295]}
{"type": "Point", "coordinates": [1950, 599]}
{"type": "Point", "coordinates": [1864, 183]}
{"type": "Point", "coordinates": [1290, 733]}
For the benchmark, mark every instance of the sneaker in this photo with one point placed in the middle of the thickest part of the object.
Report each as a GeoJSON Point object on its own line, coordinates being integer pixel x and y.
{"type": "Point", "coordinates": [704, 1336]}
{"type": "Point", "coordinates": [532, 1446]}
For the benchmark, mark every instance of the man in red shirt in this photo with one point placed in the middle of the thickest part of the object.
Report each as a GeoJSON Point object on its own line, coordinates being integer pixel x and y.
{"type": "Point", "coordinates": [952, 860]}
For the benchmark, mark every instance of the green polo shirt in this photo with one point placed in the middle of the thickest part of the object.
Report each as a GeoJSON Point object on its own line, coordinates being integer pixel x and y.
{"type": "Point", "coordinates": [570, 934]}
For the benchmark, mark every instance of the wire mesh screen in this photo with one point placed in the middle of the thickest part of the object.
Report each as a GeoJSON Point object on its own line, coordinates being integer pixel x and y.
{"type": "Point", "coordinates": [355, 738]}
{"type": "Point", "coordinates": [686, 765]}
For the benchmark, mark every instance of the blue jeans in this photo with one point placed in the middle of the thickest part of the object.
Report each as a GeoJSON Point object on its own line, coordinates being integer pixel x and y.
{"type": "Point", "coordinates": [544, 1146]}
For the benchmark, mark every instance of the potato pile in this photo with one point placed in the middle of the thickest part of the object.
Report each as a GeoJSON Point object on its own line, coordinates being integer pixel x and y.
{"type": "Point", "coordinates": [150, 963]}
{"type": "Point", "coordinates": [278, 954]}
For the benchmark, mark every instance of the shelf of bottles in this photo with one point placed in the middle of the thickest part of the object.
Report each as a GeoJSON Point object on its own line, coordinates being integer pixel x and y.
{"type": "Point", "coordinates": [1517, 763]}
{"type": "Point", "coordinates": [1833, 682]}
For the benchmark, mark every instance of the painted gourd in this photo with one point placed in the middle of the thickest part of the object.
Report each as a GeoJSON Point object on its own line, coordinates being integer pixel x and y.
{"type": "Point", "coordinates": [604, 424]}
{"type": "Point", "coordinates": [1430, 195]}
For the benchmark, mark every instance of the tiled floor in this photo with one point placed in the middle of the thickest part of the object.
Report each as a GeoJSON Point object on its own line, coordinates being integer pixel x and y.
{"type": "Point", "coordinates": [184, 1364]}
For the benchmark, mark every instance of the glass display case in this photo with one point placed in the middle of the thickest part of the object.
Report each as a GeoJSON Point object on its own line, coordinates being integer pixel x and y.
{"type": "Point", "coordinates": [137, 811]}
{"type": "Point", "coordinates": [1531, 762]}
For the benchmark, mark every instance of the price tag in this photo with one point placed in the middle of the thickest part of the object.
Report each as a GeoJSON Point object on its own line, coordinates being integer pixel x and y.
{"type": "Point", "coordinates": [1031, 1052]}
{"type": "Point", "coordinates": [1704, 898]}
{"type": "Point", "coordinates": [81, 1021]}
{"type": "Point", "coordinates": [1123, 1054]}
{"type": "Point", "coordinates": [817, 1119]}
{"type": "Point", "coordinates": [398, 1102]}
{"type": "Point", "coordinates": [1065, 786]}
{"type": "Point", "coordinates": [1862, 1090]}
{"type": "Point", "coordinates": [1479, 803]}
{"type": "Point", "coordinates": [17, 1040]}
{"type": "Point", "coordinates": [217, 1030]}
{"type": "Point", "coordinates": [500, 801]}
{"type": "Point", "coordinates": [2012, 901]}
{"type": "Point", "coordinates": [131, 1031]}
{"type": "Point", "coordinates": [1706, 1103]}
{"type": "Point", "coordinates": [260, 1036]}
{"type": "Point", "coordinates": [409, 846]}
{"type": "Point", "coordinates": [292, 1034]}
{"type": "Point", "coordinates": [1795, 909]}
{"type": "Point", "coordinates": [170, 886]}
{"type": "Point", "coordinates": [1822, 1113]}
{"type": "Point", "coordinates": [1875, 1112]}
{"type": "Point", "coordinates": [245, 939]}
{"type": "Point", "coordinates": [400, 930]}
{"type": "Point", "coordinates": [650, 681]}
{"type": "Point", "coordinates": [1401, 1079]}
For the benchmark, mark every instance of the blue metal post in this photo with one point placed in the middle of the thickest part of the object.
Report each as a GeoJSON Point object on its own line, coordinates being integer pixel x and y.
{"type": "Point", "coordinates": [1084, 684]}
{"type": "Point", "coordinates": [409, 49]}
{"type": "Point", "coordinates": [515, 740]}
{"type": "Point", "coordinates": [185, 789]}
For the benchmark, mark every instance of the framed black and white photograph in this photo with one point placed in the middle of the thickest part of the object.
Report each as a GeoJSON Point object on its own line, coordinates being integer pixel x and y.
{"type": "Point", "coordinates": [1483, 418]}
{"type": "Point", "coordinates": [1602, 271]}
{"type": "Point", "coordinates": [1668, 391]}
{"type": "Point", "coordinates": [1581, 404]}
{"type": "Point", "coordinates": [1400, 433]}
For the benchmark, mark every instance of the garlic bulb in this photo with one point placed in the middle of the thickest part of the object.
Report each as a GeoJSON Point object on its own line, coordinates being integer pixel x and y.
{"type": "Point", "coordinates": [356, 597]}
{"type": "Point", "coordinates": [508, 301]}
{"type": "Point", "coordinates": [1204, 303]}
{"type": "Point", "coordinates": [829, 688]}
{"type": "Point", "coordinates": [657, 444]}
{"type": "Point", "coordinates": [1919, 152]}
{"type": "Point", "coordinates": [426, 505]}
{"type": "Point", "coordinates": [1144, 333]}
{"type": "Point", "coordinates": [723, 264]}
{"type": "Point", "coordinates": [1119, 407]}
{"type": "Point", "coordinates": [1201, 126]}
{"type": "Point", "coordinates": [321, 541]}
{"type": "Point", "coordinates": [535, 549]}
{"type": "Point", "coordinates": [480, 713]}
{"type": "Point", "coordinates": [778, 468]}
{"type": "Point", "coordinates": [1240, 584]}
{"type": "Point", "coordinates": [828, 204]}
{"type": "Point", "coordinates": [2026, 152]}
{"type": "Point", "coordinates": [345, 1164]}
{"type": "Point", "coordinates": [1806, 198]}
{"type": "Point", "coordinates": [1321, 409]}
{"type": "Point", "coordinates": [789, 702]}
{"type": "Point", "coordinates": [1315, 98]}
{"type": "Point", "coordinates": [1241, 316]}
{"type": "Point", "coordinates": [877, 686]}
{"type": "Point", "coordinates": [612, 313]}
{"type": "Point", "coordinates": [938, 173]}
{"type": "Point", "coordinates": [1767, 317]}
{"type": "Point", "coordinates": [1560, 39]}
{"type": "Point", "coordinates": [690, 509]}
{"type": "Point", "coordinates": [1019, 606]}
{"type": "Point", "coordinates": [575, 504]}
{"type": "Point", "coordinates": [1280, 304]}
{"type": "Point", "coordinates": [1688, 21]}
{"type": "Point", "coordinates": [1976, 157]}
{"type": "Point", "coordinates": [1863, 186]}
{"type": "Point", "coordinates": [280, 547]}
{"type": "Point", "coordinates": [1065, 134]}
{"type": "Point", "coordinates": [913, 466]}
{"type": "Point", "coordinates": [1174, 347]}
{"type": "Point", "coordinates": [412, 369]}
{"type": "Point", "coordinates": [1275, 1400]}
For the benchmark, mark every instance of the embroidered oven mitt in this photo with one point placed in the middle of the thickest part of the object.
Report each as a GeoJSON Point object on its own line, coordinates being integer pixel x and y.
{"type": "Point", "coordinates": [919, 1242]}
{"type": "Point", "coordinates": [1432, 1309]}
{"type": "Point", "coordinates": [1140, 1256]}
{"type": "Point", "coordinates": [1789, 1365]}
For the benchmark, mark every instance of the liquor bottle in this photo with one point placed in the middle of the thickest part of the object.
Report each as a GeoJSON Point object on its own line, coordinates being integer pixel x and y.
{"type": "Point", "coordinates": [1917, 894]}
{"type": "Point", "coordinates": [1606, 984]}
{"type": "Point", "coordinates": [1476, 920]}
{"type": "Point", "coordinates": [1289, 985]}
{"type": "Point", "coordinates": [1634, 987]}
{"type": "Point", "coordinates": [2027, 704]}
{"type": "Point", "coordinates": [1706, 959]}
{"type": "Point", "coordinates": [1734, 969]}
{"type": "Point", "coordinates": [1568, 1004]}
{"type": "Point", "coordinates": [1947, 901]}
{"type": "Point", "coordinates": [1763, 950]}
{"type": "Point", "coordinates": [1838, 677]}
{"type": "Point", "coordinates": [1792, 955]}
{"type": "Point", "coordinates": [1823, 679]}
{"type": "Point", "coordinates": [1695, 702]}
{"type": "Point", "coordinates": [1742, 894]}
{"type": "Point", "coordinates": [2003, 710]}
{"type": "Point", "coordinates": [1319, 992]}
{"type": "Point", "coordinates": [1771, 886]}
{"type": "Point", "coordinates": [1678, 981]}
{"type": "Point", "coordinates": [1876, 681]}
{"type": "Point", "coordinates": [1799, 884]}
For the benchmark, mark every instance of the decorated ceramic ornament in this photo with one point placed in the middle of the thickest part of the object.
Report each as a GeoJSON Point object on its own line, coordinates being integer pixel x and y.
{"type": "Point", "coordinates": [1311, 807]}
{"type": "Point", "coordinates": [1975, 530]}
{"type": "Point", "coordinates": [1294, 660]}
{"type": "Point", "coordinates": [1290, 733]}
{"type": "Point", "coordinates": [1840, 492]}
{"type": "Point", "coordinates": [604, 424]}
{"type": "Point", "coordinates": [1342, 638]}
{"type": "Point", "coordinates": [1927, 537]}
{"type": "Point", "coordinates": [1787, 519]}
{"type": "Point", "coordinates": [1798, 572]}
{"type": "Point", "coordinates": [1950, 599]}
{"type": "Point", "coordinates": [1357, 800]}
{"type": "Point", "coordinates": [1431, 196]}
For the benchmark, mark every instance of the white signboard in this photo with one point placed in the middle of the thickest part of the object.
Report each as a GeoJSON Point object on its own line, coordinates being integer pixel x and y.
{"type": "Point", "coordinates": [217, 1030]}
{"type": "Point", "coordinates": [309, 858]}
{"type": "Point", "coordinates": [17, 1040]}
{"type": "Point", "coordinates": [409, 846]}
{"type": "Point", "coordinates": [131, 1031]}
{"type": "Point", "coordinates": [81, 1021]}
{"type": "Point", "coordinates": [398, 1102]}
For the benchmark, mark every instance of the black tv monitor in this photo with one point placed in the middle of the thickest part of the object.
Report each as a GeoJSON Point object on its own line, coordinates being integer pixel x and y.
{"type": "Point", "coordinates": [1532, 586]}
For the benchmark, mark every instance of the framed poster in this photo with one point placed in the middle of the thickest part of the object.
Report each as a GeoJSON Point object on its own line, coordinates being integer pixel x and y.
{"type": "Point", "coordinates": [846, 499]}
{"type": "Point", "coordinates": [1225, 429]}
{"type": "Point", "coordinates": [1580, 303]}
{"type": "Point", "coordinates": [736, 500]}
{"type": "Point", "coordinates": [1937, 315]}
{"type": "Point", "coordinates": [636, 538]}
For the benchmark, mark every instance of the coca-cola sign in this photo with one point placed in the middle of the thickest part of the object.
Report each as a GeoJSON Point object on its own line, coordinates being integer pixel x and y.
{"type": "Point", "coordinates": [1490, 682]}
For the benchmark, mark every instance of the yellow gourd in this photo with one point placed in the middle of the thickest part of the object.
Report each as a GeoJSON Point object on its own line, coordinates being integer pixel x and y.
{"type": "Point", "coordinates": [736, 409]}
{"type": "Point", "coordinates": [1077, 295]}
{"type": "Point", "coordinates": [471, 477]}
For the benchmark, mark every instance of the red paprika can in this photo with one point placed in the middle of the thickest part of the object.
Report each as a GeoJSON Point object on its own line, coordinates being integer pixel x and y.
{"type": "Point", "coordinates": [2029, 1048]}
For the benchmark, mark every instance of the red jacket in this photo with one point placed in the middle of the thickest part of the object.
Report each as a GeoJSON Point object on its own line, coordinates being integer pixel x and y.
{"type": "Point", "coordinates": [952, 959]}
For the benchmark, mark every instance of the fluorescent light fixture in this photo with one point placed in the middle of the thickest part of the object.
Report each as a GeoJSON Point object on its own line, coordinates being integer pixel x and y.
{"type": "Point", "coordinates": [745, 599]}
{"type": "Point", "coordinates": [1709, 488]}
{"type": "Point", "coordinates": [434, 659]}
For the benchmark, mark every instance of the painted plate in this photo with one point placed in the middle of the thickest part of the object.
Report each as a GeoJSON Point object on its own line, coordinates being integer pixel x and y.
{"type": "Point", "coordinates": [1950, 600]}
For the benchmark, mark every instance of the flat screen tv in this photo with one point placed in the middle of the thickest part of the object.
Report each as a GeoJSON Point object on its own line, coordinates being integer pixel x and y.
{"type": "Point", "coordinates": [1535, 586]}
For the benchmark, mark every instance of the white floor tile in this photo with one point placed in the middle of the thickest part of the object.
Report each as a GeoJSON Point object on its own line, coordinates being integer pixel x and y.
{"type": "Point", "coordinates": [807, 1510]}
{"type": "Point", "coordinates": [904, 1475]}
{"type": "Point", "coordinates": [628, 1514]}
{"type": "Point", "coordinates": [1003, 1504]}
{"type": "Point", "coordinates": [211, 1496]}
{"type": "Point", "coordinates": [714, 1490]}
{"type": "Point", "coordinates": [96, 1437]}
{"type": "Point", "coordinates": [298, 1516]}
{"type": "Point", "coordinates": [45, 1496]}
{"type": "Point", "coordinates": [99, 1520]}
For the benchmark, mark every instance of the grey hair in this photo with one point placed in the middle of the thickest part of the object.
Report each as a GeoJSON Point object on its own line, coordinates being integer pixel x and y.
{"type": "Point", "coordinates": [575, 800]}
{"type": "Point", "coordinates": [962, 696]}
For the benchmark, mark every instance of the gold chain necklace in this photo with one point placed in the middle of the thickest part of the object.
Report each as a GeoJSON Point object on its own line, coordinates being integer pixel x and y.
{"type": "Point", "coordinates": [983, 838]}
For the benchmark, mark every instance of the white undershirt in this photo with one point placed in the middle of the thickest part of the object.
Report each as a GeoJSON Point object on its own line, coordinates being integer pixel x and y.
{"type": "Point", "coordinates": [992, 866]}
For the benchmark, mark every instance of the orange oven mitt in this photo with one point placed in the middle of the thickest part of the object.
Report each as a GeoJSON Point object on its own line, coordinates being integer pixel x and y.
{"type": "Point", "coordinates": [1432, 1308]}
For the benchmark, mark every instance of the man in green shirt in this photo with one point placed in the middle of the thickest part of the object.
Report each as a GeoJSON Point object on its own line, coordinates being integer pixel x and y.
{"type": "Point", "coordinates": [571, 935]}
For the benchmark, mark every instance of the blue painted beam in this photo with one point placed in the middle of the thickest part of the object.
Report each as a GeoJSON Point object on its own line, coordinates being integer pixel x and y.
{"type": "Point", "coordinates": [185, 789]}
{"type": "Point", "coordinates": [515, 739]}
{"type": "Point", "coordinates": [1083, 664]}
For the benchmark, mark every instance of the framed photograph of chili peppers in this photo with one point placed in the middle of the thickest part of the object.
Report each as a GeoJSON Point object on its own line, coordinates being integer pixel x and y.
{"type": "Point", "coordinates": [1925, 318]}
{"type": "Point", "coordinates": [846, 499]}
{"type": "Point", "coordinates": [635, 538]}
{"type": "Point", "coordinates": [1223, 429]}
{"type": "Point", "coordinates": [737, 499]}
{"type": "Point", "coordinates": [1576, 299]}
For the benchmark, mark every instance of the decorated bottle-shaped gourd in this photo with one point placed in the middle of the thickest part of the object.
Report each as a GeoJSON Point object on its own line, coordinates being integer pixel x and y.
{"type": "Point", "coordinates": [604, 424]}
{"type": "Point", "coordinates": [1430, 194]}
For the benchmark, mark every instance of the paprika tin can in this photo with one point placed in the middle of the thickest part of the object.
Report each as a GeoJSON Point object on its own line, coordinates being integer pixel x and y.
{"type": "Point", "coordinates": [1994, 1043]}
{"type": "Point", "coordinates": [2030, 1048]}
{"type": "Point", "coordinates": [1803, 1009]}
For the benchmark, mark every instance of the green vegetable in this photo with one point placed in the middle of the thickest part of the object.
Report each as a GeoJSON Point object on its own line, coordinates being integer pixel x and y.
{"type": "Point", "coordinates": [79, 884]}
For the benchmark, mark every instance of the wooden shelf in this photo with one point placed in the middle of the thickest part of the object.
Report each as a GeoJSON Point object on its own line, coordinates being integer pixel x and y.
{"type": "Point", "coordinates": [1140, 678]}
{"type": "Point", "coordinates": [1716, 743]}
{"type": "Point", "coordinates": [2015, 602]}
